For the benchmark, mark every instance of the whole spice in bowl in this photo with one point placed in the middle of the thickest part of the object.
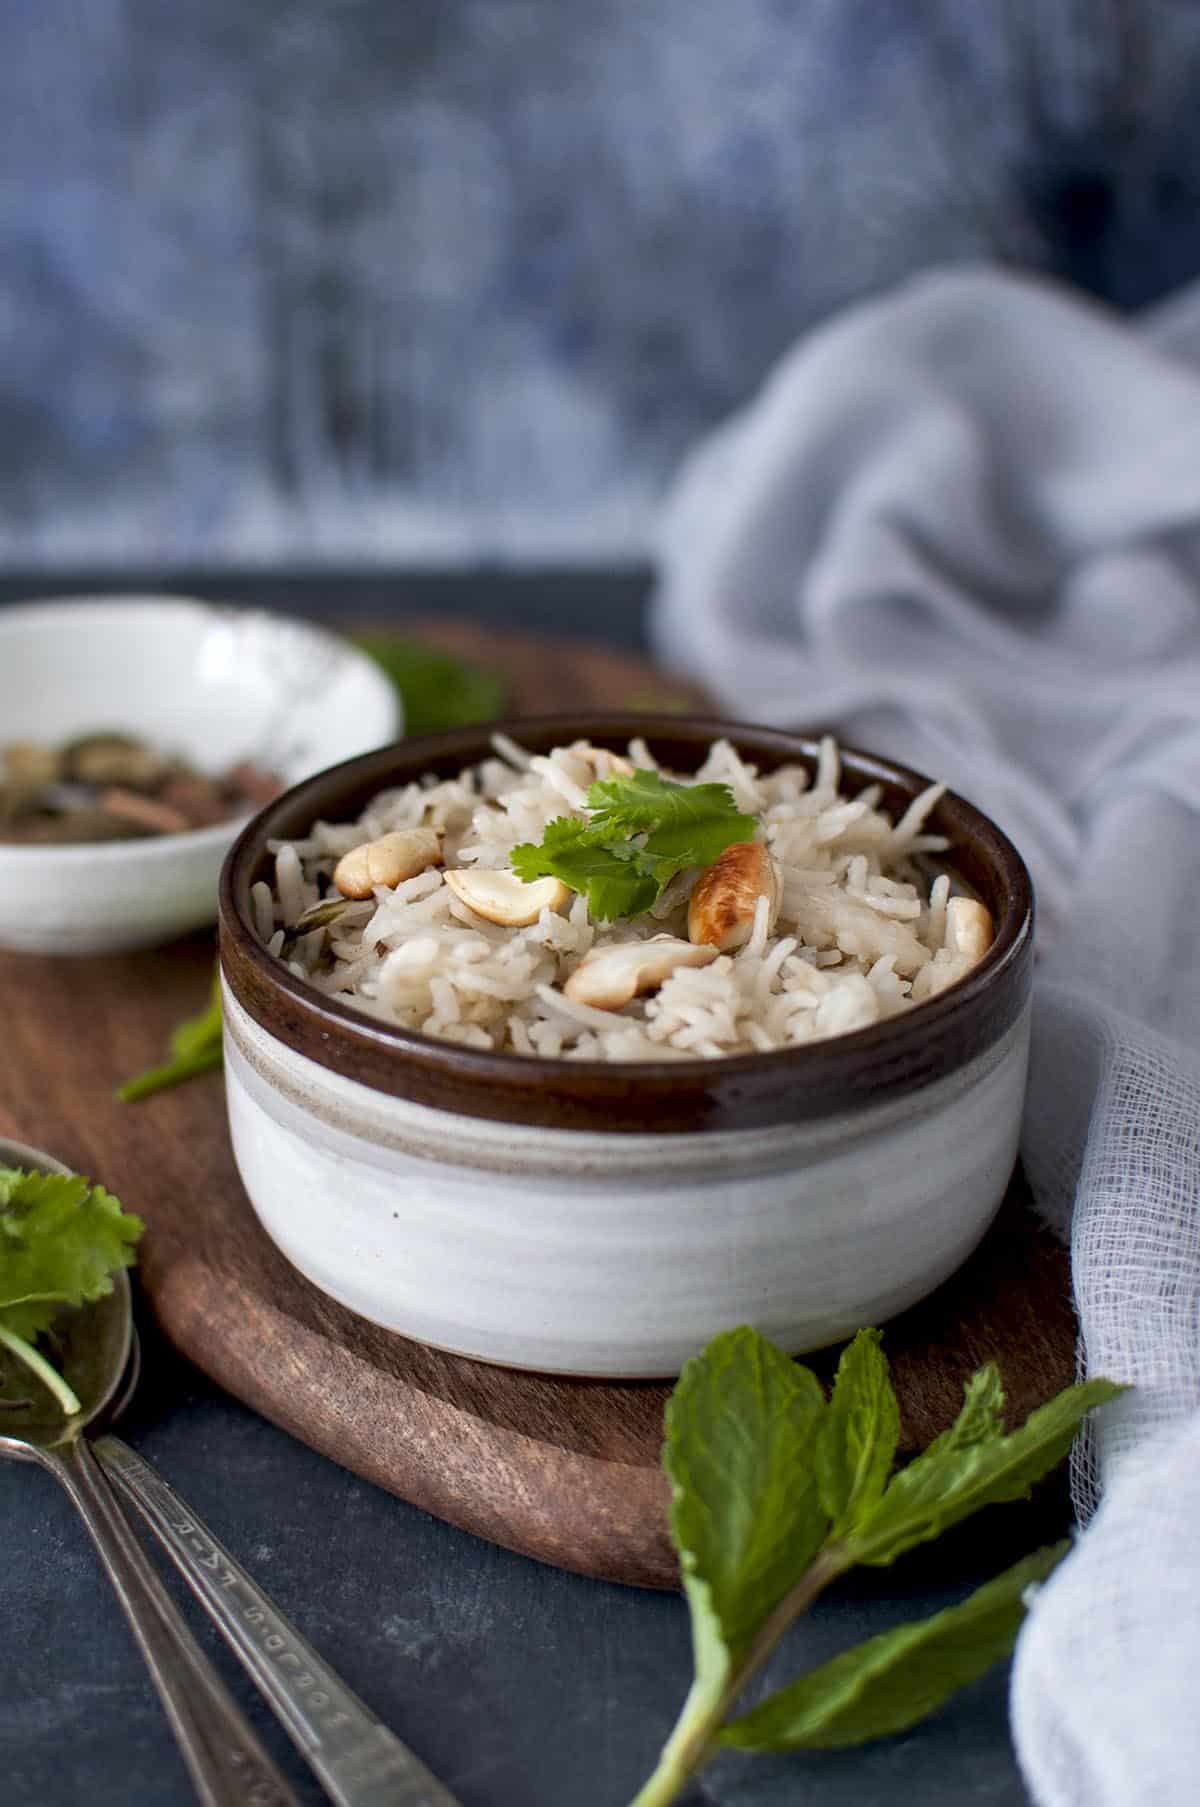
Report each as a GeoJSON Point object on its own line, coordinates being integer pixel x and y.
{"type": "Point", "coordinates": [113, 786]}
{"type": "Point", "coordinates": [129, 722]}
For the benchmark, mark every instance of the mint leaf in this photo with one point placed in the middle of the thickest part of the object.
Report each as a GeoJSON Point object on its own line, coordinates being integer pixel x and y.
{"type": "Point", "coordinates": [746, 1520]}
{"type": "Point", "coordinates": [981, 1419]}
{"type": "Point", "coordinates": [195, 1048]}
{"type": "Point", "coordinates": [857, 1444]}
{"type": "Point", "coordinates": [170, 1073]}
{"type": "Point", "coordinates": [952, 1479]}
{"type": "Point", "coordinates": [890, 1682]}
{"type": "Point", "coordinates": [61, 1241]}
{"type": "Point", "coordinates": [746, 1517]}
{"type": "Point", "coordinates": [642, 831]}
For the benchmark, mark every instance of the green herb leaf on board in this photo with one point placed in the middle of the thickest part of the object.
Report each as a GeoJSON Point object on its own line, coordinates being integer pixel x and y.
{"type": "Point", "coordinates": [981, 1418]}
{"type": "Point", "coordinates": [438, 691]}
{"type": "Point", "coordinates": [746, 1514]}
{"type": "Point", "coordinates": [195, 1047]}
{"type": "Point", "coordinates": [746, 1519]}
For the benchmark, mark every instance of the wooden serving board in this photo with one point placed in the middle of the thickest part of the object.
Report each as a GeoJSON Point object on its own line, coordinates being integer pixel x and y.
{"type": "Point", "coordinates": [566, 1471]}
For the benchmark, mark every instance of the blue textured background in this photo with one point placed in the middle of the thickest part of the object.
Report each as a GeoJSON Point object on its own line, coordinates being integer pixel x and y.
{"type": "Point", "coordinates": [415, 279]}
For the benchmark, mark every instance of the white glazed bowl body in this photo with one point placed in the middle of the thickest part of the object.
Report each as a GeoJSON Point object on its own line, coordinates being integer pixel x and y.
{"type": "Point", "coordinates": [595, 1218]}
{"type": "Point", "coordinates": [589, 1254]}
{"type": "Point", "coordinates": [213, 683]}
{"type": "Point", "coordinates": [600, 1219]}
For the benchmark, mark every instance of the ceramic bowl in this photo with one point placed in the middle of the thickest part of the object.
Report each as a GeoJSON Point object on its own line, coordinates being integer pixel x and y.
{"type": "Point", "coordinates": [216, 684]}
{"type": "Point", "coordinates": [598, 1219]}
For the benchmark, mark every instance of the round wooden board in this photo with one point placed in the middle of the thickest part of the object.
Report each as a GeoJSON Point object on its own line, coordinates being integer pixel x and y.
{"type": "Point", "coordinates": [567, 1471]}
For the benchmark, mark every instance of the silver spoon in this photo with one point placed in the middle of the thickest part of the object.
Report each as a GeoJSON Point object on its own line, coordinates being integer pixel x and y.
{"type": "Point", "coordinates": [227, 1764]}
{"type": "Point", "coordinates": [360, 1762]}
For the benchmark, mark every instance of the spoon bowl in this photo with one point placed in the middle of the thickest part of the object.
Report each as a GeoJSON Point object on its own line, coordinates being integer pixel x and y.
{"type": "Point", "coordinates": [92, 1349]}
{"type": "Point", "coordinates": [360, 1761]}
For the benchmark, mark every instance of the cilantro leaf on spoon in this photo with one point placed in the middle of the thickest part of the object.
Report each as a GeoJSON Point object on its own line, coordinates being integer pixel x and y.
{"type": "Point", "coordinates": [61, 1241]}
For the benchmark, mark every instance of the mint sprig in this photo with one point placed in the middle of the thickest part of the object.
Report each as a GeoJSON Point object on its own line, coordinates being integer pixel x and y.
{"type": "Point", "coordinates": [641, 830]}
{"type": "Point", "coordinates": [892, 1681]}
{"type": "Point", "coordinates": [777, 1492]}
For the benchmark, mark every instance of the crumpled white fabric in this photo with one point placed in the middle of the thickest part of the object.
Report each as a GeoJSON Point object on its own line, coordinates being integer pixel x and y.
{"type": "Point", "coordinates": [962, 524]}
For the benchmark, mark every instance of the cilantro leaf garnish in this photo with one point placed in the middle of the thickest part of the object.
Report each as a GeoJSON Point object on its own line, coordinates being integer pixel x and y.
{"type": "Point", "coordinates": [777, 1492]}
{"type": "Point", "coordinates": [641, 830]}
{"type": "Point", "coordinates": [611, 874]}
{"type": "Point", "coordinates": [646, 800]}
{"type": "Point", "coordinates": [61, 1241]}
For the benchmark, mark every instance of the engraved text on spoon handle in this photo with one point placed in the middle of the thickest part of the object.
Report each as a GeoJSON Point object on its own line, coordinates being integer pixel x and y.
{"type": "Point", "coordinates": [227, 1764]}
{"type": "Point", "coordinates": [360, 1762]}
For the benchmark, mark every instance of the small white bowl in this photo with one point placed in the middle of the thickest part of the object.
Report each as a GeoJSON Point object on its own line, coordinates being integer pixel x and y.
{"type": "Point", "coordinates": [213, 683]}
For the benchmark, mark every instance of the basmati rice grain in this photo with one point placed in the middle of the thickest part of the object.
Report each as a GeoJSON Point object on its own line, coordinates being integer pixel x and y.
{"type": "Point", "coordinates": [859, 935]}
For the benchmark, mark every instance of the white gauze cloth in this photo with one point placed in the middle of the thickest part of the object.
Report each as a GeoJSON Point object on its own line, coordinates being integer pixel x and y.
{"type": "Point", "coordinates": [962, 524]}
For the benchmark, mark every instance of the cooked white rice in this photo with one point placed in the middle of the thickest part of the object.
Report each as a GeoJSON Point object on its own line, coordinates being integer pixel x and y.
{"type": "Point", "coordinates": [860, 934]}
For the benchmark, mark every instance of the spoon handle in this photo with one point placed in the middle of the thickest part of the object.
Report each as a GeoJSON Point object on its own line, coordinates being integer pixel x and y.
{"type": "Point", "coordinates": [360, 1762]}
{"type": "Point", "coordinates": [227, 1764]}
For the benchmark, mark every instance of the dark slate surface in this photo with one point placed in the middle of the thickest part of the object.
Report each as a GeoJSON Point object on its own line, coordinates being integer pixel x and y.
{"type": "Point", "coordinates": [520, 1685]}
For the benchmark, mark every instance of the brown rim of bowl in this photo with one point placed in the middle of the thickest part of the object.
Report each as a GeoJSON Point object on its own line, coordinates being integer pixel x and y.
{"type": "Point", "coordinates": [743, 1091]}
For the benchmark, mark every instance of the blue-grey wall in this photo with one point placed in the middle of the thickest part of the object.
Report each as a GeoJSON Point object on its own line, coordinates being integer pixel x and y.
{"type": "Point", "coordinates": [401, 279]}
